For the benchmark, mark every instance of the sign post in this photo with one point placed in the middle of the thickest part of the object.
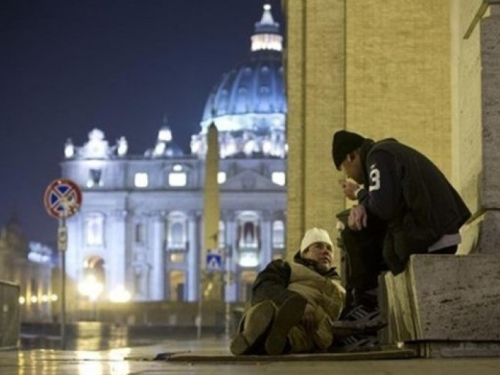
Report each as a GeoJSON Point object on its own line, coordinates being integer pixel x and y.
{"type": "Point", "coordinates": [62, 199]}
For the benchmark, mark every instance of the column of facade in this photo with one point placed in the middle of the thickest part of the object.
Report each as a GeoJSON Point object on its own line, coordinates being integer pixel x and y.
{"type": "Point", "coordinates": [193, 268]}
{"type": "Point", "coordinates": [74, 255]}
{"type": "Point", "coordinates": [157, 282]}
{"type": "Point", "coordinates": [265, 240]}
{"type": "Point", "coordinates": [116, 269]}
{"type": "Point", "coordinates": [230, 256]}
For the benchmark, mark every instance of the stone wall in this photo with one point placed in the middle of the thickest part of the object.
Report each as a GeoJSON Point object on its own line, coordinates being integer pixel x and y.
{"type": "Point", "coordinates": [315, 89]}
{"type": "Point", "coordinates": [398, 77]}
{"type": "Point", "coordinates": [379, 68]}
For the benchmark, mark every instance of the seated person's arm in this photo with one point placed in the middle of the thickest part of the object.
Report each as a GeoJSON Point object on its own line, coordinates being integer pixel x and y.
{"type": "Point", "coordinates": [272, 282]}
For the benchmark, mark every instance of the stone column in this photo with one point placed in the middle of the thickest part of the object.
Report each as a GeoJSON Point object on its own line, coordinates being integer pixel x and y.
{"type": "Point", "coordinates": [315, 78]}
{"type": "Point", "coordinates": [193, 273]}
{"type": "Point", "coordinates": [489, 186]}
{"type": "Point", "coordinates": [230, 259]}
{"type": "Point", "coordinates": [157, 285]}
{"type": "Point", "coordinates": [265, 240]}
{"type": "Point", "coordinates": [116, 267]}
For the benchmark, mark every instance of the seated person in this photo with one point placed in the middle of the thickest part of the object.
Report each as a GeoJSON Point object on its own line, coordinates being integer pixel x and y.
{"type": "Point", "coordinates": [294, 303]}
{"type": "Point", "coordinates": [405, 206]}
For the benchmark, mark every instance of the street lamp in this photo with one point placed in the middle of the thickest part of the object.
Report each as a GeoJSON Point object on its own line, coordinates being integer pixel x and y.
{"type": "Point", "coordinates": [120, 295]}
{"type": "Point", "coordinates": [91, 288]}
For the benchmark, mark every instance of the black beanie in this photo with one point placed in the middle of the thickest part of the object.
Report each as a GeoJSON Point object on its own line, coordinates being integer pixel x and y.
{"type": "Point", "coordinates": [344, 143]}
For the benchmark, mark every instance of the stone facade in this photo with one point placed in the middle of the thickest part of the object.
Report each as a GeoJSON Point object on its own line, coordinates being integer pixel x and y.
{"type": "Point", "coordinates": [147, 221]}
{"type": "Point", "coordinates": [378, 68]}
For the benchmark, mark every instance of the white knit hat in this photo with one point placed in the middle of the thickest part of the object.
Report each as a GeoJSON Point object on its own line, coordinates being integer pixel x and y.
{"type": "Point", "coordinates": [314, 235]}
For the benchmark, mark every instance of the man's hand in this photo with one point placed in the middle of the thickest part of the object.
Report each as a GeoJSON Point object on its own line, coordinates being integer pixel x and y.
{"type": "Point", "coordinates": [308, 320]}
{"type": "Point", "coordinates": [358, 218]}
{"type": "Point", "coordinates": [349, 189]}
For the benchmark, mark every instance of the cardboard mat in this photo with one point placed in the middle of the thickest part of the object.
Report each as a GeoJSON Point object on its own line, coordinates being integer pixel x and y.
{"type": "Point", "coordinates": [226, 357]}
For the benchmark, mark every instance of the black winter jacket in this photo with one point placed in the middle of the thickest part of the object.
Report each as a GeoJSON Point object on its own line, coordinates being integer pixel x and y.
{"type": "Point", "coordinates": [406, 189]}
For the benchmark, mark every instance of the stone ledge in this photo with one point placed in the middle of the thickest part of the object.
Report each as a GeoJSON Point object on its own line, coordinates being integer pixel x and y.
{"type": "Point", "coordinates": [444, 298]}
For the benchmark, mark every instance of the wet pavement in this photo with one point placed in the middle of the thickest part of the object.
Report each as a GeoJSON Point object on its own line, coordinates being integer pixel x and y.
{"type": "Point", "coordinates": [138, 359]}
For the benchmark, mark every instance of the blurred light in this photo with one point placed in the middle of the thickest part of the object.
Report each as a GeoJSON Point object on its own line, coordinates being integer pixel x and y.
{"type": "Point", "coordinates": [221, 177]}
{"type": "Point", "coordinates": [22, 300]}
{"type": "Point", "coordinates": [53, 297]}
{"type": "Point", "coordinates": [249, 259]}
{"type": "Point", "coordinates": [177, 179]}
{"type": "Point", "coordinates": [34, 299]}
{"type": "Point", "coordinates": [120, 295]}
{"type": "Point", "coordinates": [69, 149]}
{"type": "Point", "coordinates": [165, 135]}
{"type": "Point", "coordinates": [90, 287]}
{"type": "Point", "coordinates": [45, 298]}
{"type": "Point", "coordinates": [279, 178]}
{"type": "Point", "coordinates": [141, 179]}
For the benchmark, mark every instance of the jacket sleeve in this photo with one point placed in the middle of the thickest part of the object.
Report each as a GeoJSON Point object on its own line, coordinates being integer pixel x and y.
{"type": "Point", "coordinates": [272, 283]}
{"type": "Point", "coordinates": [382, 195]}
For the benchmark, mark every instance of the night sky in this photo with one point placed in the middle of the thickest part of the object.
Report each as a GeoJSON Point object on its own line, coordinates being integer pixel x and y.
{"type": "Point", "coordinates": [67, 66]}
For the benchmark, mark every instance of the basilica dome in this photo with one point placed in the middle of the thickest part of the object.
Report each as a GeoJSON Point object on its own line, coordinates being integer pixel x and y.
{"type": "Point", "coordinates": [248, 105]}
{"type": "Point", "coordinates": [254, 86]}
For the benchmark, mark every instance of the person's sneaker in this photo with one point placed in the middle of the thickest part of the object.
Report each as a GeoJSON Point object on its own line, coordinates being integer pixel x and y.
{"type": "Point", "coordinates": [289, 314]}
{"type": "Point", "coordinates": [357, 343]}
{"type": "Point", "coordinates": [256, 323]}
{"type": "Point", "coordinates": [363, 316]}
{"type": "Point", "coordinates": [359, 320]}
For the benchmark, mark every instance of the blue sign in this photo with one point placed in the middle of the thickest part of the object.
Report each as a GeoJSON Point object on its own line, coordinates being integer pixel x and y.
{"type": "Point", "coordinates": [214, 261]}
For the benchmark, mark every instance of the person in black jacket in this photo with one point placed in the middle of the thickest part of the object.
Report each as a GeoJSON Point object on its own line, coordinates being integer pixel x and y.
{"type": "Point", "coordinates": [405, 206]}
{"type": "Point", "coordinates": [294, 303]}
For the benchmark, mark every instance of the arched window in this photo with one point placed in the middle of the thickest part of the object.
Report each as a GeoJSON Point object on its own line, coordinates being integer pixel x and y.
{"type": "Point", "coordinates": [278, 234]}
{"type": "Point", "coordinates": [94, 229]}
{"type": "Point", "coordinates": [249, 235]}
{"type": "Point", "coordinates": [177, 231]}
{"type": "Point", "coordinates": [177, 234]}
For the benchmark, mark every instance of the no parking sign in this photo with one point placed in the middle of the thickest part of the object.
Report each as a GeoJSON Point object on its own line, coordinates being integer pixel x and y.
{"type": "Point", "coordinates": [62, 198]}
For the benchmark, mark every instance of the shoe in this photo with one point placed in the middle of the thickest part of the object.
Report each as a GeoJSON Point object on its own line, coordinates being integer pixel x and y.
{"type": "Point", "coordinates": [357, 343]}
{"type": "Point", "coordinates": [289, 314]}
{"type": "Point", "coordinates": [361, 318]}
{"type": "Point", "coordinates": [256, 323]}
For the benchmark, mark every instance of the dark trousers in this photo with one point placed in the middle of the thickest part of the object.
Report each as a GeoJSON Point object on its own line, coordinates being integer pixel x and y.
{"type": "Point", "coordinates": [364, 259]}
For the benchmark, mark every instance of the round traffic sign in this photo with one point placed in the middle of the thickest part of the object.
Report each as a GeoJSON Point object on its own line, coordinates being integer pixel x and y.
{"type": "Point", "coordinates": [62, 198]}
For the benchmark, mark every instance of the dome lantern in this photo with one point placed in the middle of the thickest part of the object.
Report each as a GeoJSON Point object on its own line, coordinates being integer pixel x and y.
{"type": "Point", "coordinates": [248, 105]}
{"type": "Point", "coordinates": [267, 34]}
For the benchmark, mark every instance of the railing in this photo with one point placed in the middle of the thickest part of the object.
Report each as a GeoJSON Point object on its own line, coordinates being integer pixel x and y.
{"type": "Point", "coordinates": [9, 315]}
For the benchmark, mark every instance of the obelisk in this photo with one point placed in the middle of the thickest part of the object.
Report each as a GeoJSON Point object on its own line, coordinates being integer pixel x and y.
{"type": "Point", "coordinates": [211, 278]}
